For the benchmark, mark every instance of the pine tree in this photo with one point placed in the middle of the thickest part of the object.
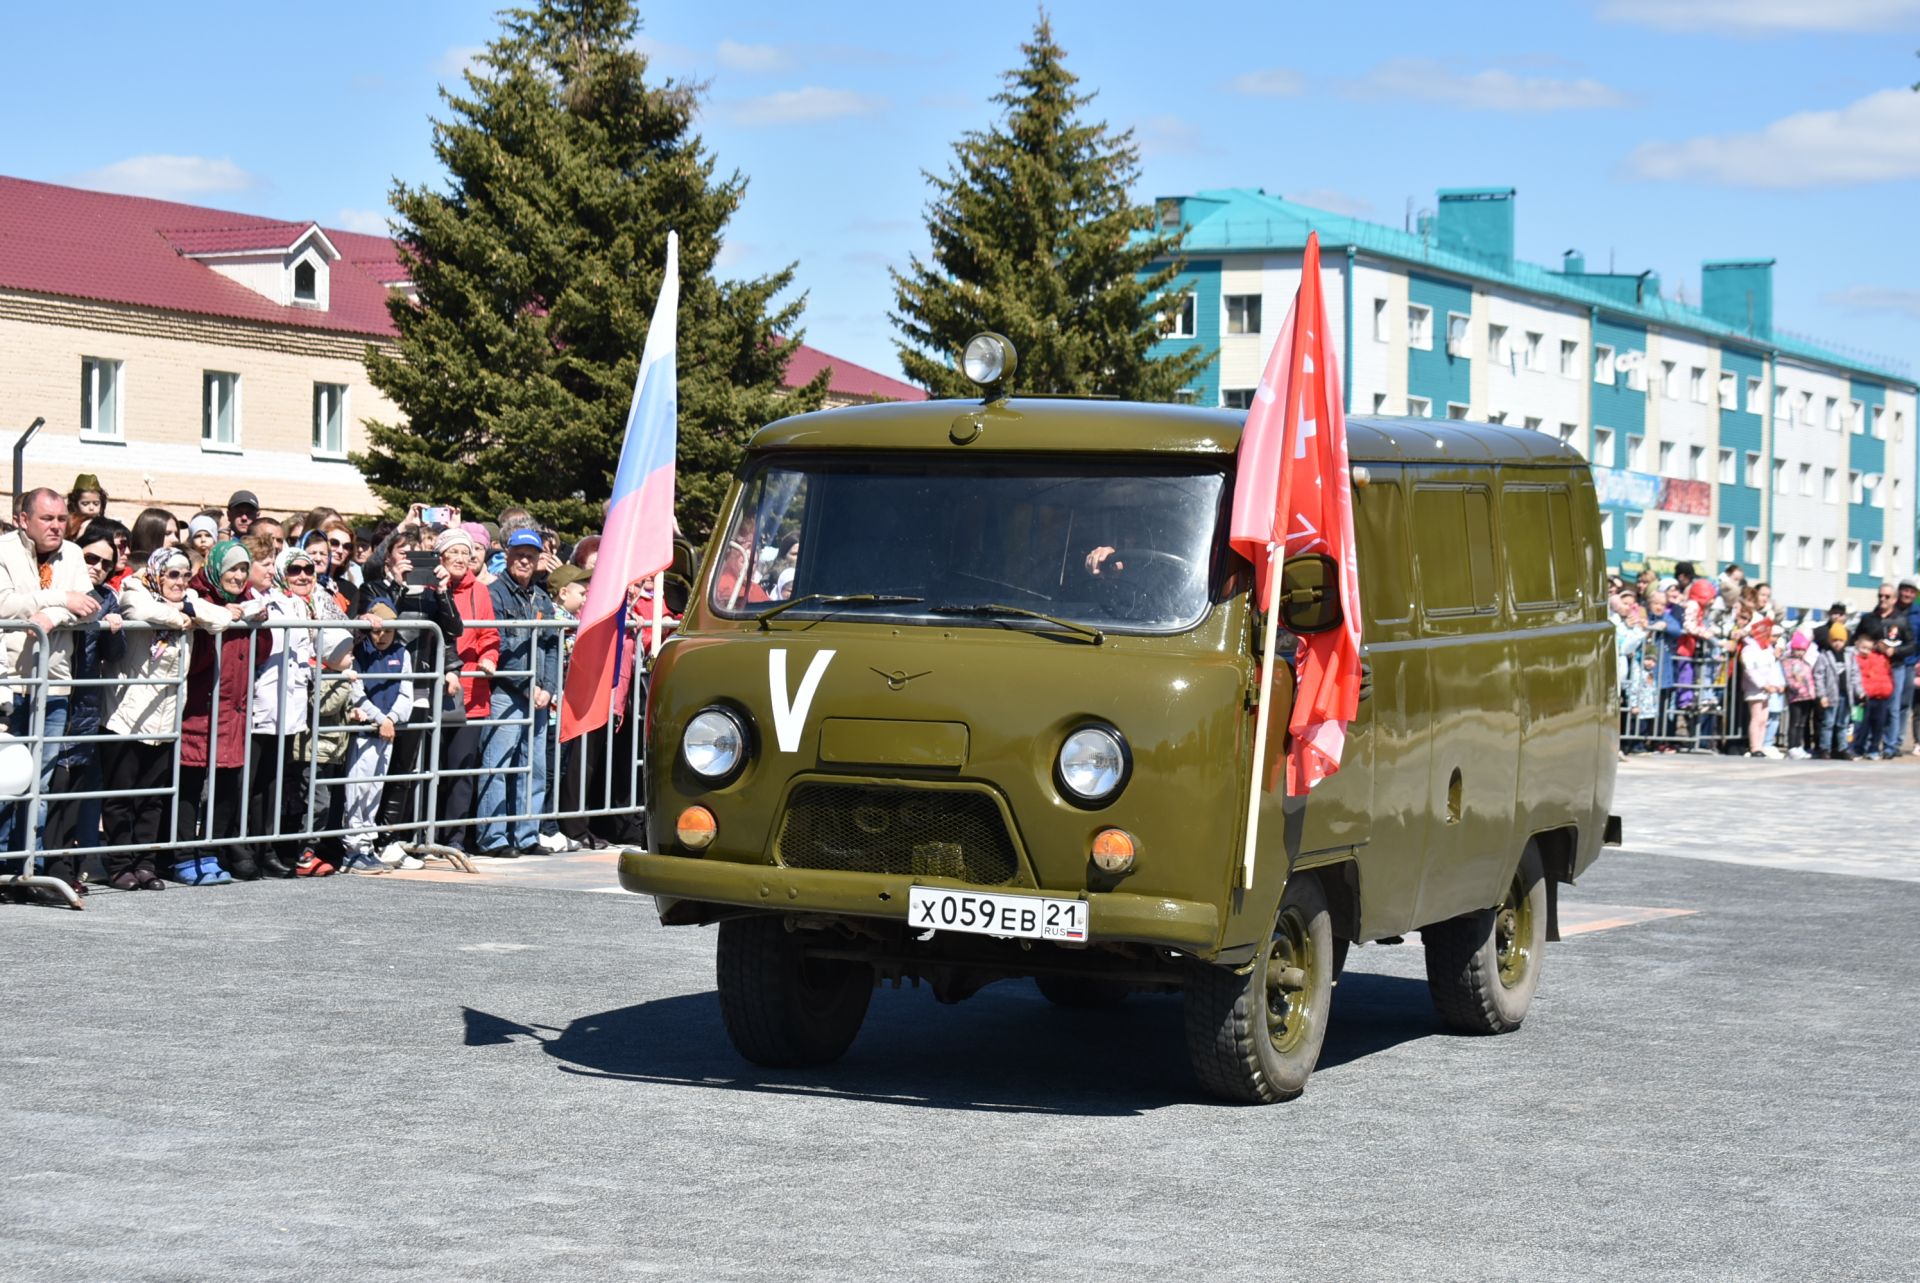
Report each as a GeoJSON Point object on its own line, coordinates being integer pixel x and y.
{"type": "Point", "coordinates": [537, 268]}
{"type": "Point", "coordinates": [1034, 236]}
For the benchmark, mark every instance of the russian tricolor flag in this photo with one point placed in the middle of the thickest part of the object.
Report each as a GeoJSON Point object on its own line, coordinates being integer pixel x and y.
{"type": "Point", "coordinates": [638, 538]}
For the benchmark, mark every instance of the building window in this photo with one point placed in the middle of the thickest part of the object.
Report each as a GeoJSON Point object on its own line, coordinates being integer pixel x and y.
{"type": "Point", "coordinates": [1831, 418]}
{"type": "Point", "coordinates": [1602, 364]}
{"type": "Point", "coordinates": [1533, 423]}
{"type": "Point", "coordinates": [1379, 403]}
{"type": "Point", "coordinates": [305, 283]}
{"type": "Point", "coordinates": [1567, 433]}
{"type": "Point", "coordinates": [330, 418]}
{"type": "Point", "coordinates": [1667, 450]}
{"type": "Point", "coordinates": [1855, 492]}
{"type": "Point", "coordinates": [1776, 551]}
{"type": "Point", "coordinates": [1380, 332]}
{"type": "Point", "coordinates": [1729, 470]}
{"type": "Point", "coordinates": [1697, 385]}
{"type": "Point", "coordinates": [1420, 327]}
{"type": "Point", "coordinates": [1878, 420]}
{"type": "Point", "coordinates": [219, 410]}
{"type": "Point", "coordinates": [1894, 499]}
{"type": "Point", "coordinates": [1455, 410]}
{"type": "Point", "coordinates": [1856, 418]}
{"type": "Point", "coordinates": [1754, 403]}
{"type": "Point", "coordinates": [1876, 489]}
{"type": "Point", "coordinates": [1635, 364]}
{"type": "Point", "coordinates": [1531, 353]}
{"type": "Point", "coordinates": [1806, 408]}
{"type": "Point", "coordinates": [1753, 472]}
{"type": "Point", "coordinates": [1696, 463]}
{"type": "Point", "coordinates": [1180, 324]}
{"type": "Point", "coordinates": [1779, 477]}
{"type": "Point", "coordinates": [100, 398]}
{"type": "Point", "coordinates": [1185, 396]}
{"type": "Point", "coordinates": [1663, 538]}
{"type": "Point", "coordinates": [1419, 407]}
{"type": "Point", "coordinates": [1669, 380]}
{"type": "Point", "coordinates": [1729, 392]}
{"type": "Point", "coordinates": [1569, 358]}
{"type": "Point", "coordinates": [1636, 532]}
{"type": "Point", "coordinates": [1725, 544]}
{"type": "Point", "coordinates": [1806, 478]}
{"type": "Point", "coordinates": [1899, 426]}
{"type": "Point", "coordinates": [1636, 454]}
{"type": "Point", "coordinates": [1457, 334]}
{"type": "Point", "coordinates": [1169, 211]}
{"type": "Point", "coordinates": [1496, 416]}
{"type": "Point", "coordinates": [1803, 552]}
{"type": "Point", "coordinates": [1498, 348]}
{"type": "Point", "coordinates": [1236, 398]}
{"type": "Point", "coordinates": [1830, 485]}
{"type": "Point", "coordinates": [1750, 546]}
{"type": "Point", "coordinates": [1829, 555]}
{"type": "Point", "coordinates": [1853, 556]}
{"type": "Point", "coordinates": [1243, 313]}
{"type": "Point", "coordinates": [1780, 412]}
{"type": "Point", "coordinates": [1876, 559]}
{"type": "Point", "coordinates": [1697, 539]}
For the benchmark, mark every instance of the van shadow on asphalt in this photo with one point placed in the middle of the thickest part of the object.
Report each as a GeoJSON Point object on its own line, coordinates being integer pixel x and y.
{"type": "Point", "coordinates": [1006, 1050]}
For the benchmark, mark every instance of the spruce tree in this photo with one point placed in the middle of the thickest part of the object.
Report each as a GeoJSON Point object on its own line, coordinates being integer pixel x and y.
{"type": "Point", "coordinates": [537, 266]}
{"type": "Point", "coordinates": [1035, 236]}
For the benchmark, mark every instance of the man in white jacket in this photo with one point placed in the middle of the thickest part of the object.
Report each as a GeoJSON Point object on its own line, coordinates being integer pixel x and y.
{"type": "Point", "coordinates": [43, 579]}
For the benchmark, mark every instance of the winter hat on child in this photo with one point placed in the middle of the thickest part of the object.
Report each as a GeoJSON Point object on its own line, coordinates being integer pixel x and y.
{"type": "Point", "coordinates": [203, 524]}
{"type": "Point", "coordinates": [1799, 643]}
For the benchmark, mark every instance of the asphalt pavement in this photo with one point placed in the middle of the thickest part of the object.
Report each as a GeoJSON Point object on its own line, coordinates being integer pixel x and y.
{"type": "Point", "coordinates": [385, 1079]}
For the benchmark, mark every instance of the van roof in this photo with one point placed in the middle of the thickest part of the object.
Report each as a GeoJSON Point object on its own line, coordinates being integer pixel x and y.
{"type": "Point", "coordinates": [1058, 425]}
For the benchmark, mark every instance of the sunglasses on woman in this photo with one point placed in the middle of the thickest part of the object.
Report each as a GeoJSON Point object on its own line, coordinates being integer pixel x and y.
{"type": "Point", "coordinates": [94, 559]}
{"type": "Point", "coordinates": [341, 543]}
{"type": "Point", "coordinates": [174, 574]}
{"type": "Point", "coordinates": [300, 568]}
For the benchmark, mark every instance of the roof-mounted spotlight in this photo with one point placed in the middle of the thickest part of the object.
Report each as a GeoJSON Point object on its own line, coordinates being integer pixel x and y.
{"type": "Point", "coordinates": [988, 360]}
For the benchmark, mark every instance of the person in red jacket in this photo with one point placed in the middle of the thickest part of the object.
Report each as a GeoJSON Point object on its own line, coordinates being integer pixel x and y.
{"type": "Point", "coordinates": [1872, 673]}
{"type": "Point", "coordinates": [468, 693]}
{"type": "Point", "coordinates": [213, 728]}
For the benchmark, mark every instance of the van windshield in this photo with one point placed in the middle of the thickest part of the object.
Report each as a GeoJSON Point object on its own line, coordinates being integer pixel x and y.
{"type": "Point", "coordinates": [1124, 544]}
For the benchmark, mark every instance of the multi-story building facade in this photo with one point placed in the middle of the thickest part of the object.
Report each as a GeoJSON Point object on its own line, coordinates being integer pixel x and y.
{"type": "Point", "coordinates": [179, 353]}
{"type": "Point", "coordinates": [1714, 437]}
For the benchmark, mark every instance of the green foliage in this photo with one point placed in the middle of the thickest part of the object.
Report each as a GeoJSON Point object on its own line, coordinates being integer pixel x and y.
{"type": "Point", "coordinates": [537, 269]}
{"type": "Point", "coordinates": [1034, 236]}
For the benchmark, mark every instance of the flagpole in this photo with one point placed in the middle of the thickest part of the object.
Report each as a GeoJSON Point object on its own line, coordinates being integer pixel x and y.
{"type": "Point", "coordinates": [657, 585]}
{"type": "Point", "coordinates": [1260, 722]}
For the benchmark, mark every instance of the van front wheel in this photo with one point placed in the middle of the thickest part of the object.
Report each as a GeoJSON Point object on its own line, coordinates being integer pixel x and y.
{"type": "Point", "coordinates": [1256, 1037]}
{"type": "Point", "coordinates": [782, 1008]}
{"type": "Point", "coordinates": [1483, 967]}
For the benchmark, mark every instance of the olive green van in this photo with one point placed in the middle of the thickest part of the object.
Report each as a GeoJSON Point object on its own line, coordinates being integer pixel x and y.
{"type": "Point", "coordinates": [966, 692]}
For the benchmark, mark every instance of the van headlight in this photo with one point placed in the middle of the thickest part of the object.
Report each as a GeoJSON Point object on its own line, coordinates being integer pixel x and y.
{"type": "Point", "coordinates": [1093, 764]}
{"type": "Point", "coordinates": [715, 744]}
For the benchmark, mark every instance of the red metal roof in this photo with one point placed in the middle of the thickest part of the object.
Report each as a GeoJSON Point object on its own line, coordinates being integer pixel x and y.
{"type": "Point", "coordinates": [116, 249]}
{"type": "Point", "coordinates": [848, 379]}
{"type": "Point", "coordinates": [265, 237]}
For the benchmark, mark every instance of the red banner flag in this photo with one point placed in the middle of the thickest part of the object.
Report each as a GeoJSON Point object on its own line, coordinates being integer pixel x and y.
{"type": "Point", "coordinates": [1292, 496]}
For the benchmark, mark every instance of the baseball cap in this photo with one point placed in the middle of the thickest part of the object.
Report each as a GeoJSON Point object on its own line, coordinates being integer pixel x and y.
{"type": "Point", "coordinates": [566, 575]}
{"type": "Point", "coordinates": [243, 499]}
{"type": "Point", "coordinates": [526, 538]}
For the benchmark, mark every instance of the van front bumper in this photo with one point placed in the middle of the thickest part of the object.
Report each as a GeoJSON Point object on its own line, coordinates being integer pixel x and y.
{"type": "Point", "coordinates": [1117, 916]}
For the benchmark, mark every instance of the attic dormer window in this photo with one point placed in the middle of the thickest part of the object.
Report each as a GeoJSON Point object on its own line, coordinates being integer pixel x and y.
{"type": "Point", "coordinates": [305, 283]}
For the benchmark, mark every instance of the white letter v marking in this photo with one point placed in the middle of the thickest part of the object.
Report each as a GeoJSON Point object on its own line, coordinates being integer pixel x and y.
{"type": "Point", "coordinates": [789, 719]}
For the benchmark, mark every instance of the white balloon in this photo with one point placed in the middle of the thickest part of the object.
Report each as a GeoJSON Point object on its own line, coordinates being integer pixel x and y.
{"type": "Point", "coordinates": [16, 769]}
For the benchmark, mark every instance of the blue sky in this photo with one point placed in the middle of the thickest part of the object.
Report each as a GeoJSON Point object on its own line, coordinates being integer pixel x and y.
{"type": "Point", "coordinates": [1647, 133]}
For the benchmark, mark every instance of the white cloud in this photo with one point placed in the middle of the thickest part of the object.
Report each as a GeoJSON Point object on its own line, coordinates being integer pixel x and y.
{"type": "Point", "coordinates": [1876, 139]}
{"type": "Point", "coordinates": [1494, 89]}
{"type": "Point", "coordinates": [373, 222]}
{"type": "Point", "coordinates": [1333, 201]}
{"type": "Point", "coordinates": [1752, 16]}
{"type": "Point", "coordinates": [1269, 82]}
{"type": "Point", "coordinates": [805, 106]}
{"type": "Point", "coordinates": [459, 59]}
{"type": "Point", "coordinates": [735, 56]}
{"type": "Point", "coordinates": [1876, 298]}
{"type": "Point", "coordinates": [167, 177]}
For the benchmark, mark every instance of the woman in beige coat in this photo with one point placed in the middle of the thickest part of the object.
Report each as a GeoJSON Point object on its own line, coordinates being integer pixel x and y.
{"type": "Point", "coordinates": [139, 766]}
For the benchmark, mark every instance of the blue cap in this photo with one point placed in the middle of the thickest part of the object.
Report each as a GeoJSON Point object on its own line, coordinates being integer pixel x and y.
{"type": "Point", "coordinates": [526, 537]}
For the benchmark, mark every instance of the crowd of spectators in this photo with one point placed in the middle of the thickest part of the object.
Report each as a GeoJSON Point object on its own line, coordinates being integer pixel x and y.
{"type": "Point", "coordinates": [223, 741]}
{"type": "Point", "coordinates": [1718, 664]}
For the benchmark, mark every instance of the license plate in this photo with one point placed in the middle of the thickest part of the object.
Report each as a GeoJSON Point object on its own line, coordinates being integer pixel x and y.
{"type": "Point", "coordinates": [1023, 917]}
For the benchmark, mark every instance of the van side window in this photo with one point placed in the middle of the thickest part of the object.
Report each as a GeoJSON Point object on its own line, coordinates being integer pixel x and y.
{"type": "Point", "coordinates": [1527, 522]}
{"type": "Point", "coordinates": [1453, 533]}
{"type": "Point", "coordinates": [1380, 527]}
{"type": "Point", "coordinates": [1566, 561]}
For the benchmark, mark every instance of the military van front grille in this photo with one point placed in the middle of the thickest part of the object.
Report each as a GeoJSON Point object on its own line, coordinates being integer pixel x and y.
{"type": "Point", "coordinates": [857, 828]}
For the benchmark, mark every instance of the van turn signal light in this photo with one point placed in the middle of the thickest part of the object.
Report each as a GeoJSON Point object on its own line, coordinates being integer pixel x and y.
{"type": "Point", "coordinates": [696, 828]}
{"type": "Point", "coordinates": [1113, 850]}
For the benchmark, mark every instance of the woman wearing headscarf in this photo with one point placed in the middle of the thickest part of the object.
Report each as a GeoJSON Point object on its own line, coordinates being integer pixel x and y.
{"type": "Point", "coordinates": [282, 694]}
{"type": "Point", "coordinates": [213, 732]}
{"type": "Point", "coordinates": [139, 765]}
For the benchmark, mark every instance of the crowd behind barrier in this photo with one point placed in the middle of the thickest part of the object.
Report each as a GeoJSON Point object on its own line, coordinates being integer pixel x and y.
{"type": "Point", "coordinates": [1715, 665]}
{"type": "Point", "coordinates": [186, 707]}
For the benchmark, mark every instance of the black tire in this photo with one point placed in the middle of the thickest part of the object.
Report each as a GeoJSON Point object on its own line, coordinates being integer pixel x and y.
{"type": "Point", "coordinates": [1089, 992]}
{"type": "Point", "coordinates": [1484, 967]}
{"type": "Point", "coordinates": [783, 1009]}
{"type": "Point", "coordinates": [1245, 1047]}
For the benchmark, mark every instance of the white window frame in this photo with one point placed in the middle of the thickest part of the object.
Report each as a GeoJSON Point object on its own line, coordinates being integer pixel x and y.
{"type": "Point", "coordinates": [320, 449]}
{"type": "Point", "coordinates": [1636, 532]}
{"type": "Point", "coordinates": [1724, 544]}
{"type": "Point", "coordinates": [1830, 485]}
{"type": "Point", "coordinates": [1663, 540]}
{"type": "Point", "coordinates": [1856, 418]}
{"type": "Point", "coordinates": [1853, 557]}
{"type": "Point", "coordinates": [1499, 348]}
{"type": "Point", "coordinates": [1729, 470]}
{"type": "Point", "coordinates": [1876, 490]}
{"type": "Point", "coordinates": [1460, 406]}
{"type": "Point", "coordinates": [1602, 446]}
{"type": "Point", "coordinates": [1419, 407]}
{"type": "Point", "coordinates": [1697, 384]}
{"type": "Point", "coordinates": [1697, 540]}
{"type": "Point", "coordinates": [1227, 404]}
{"type": "Point", "coordinates": [1830, 417]}
{"type": "Point", "coordinates": [1754, 480]}
{"type": "Point", "coordinates": [1530, 354]}
{"type": "Point", "coordinates": [1780, 483]}
{"type": "Point", "coordinates": [1756, 404]}
{"type": "Point", "coordinates": [1803, 552]}
{"type": "Point", "coordinates": [1806, 409]}
{"type": "Point", "coordinates": [1669, 380]}
{"type": "Point", "coordinates": [1227, 302]}
{"type": "Point", "coordinates": [1729, 391]}
{"type": "Point", "coordinates": [1186, 317]}
{"type": "Point", "coordinates": [1856, 486]}
{"type": "Point", "coordinates": [1876, 559]}
{"type": "Point", "coordinates": [1830, 555]}
{"type": "Point", "coordinates": [1379, 403]}
{"type": "Point", "coordinates": [1382, 325]}
{"type": "Point", "coordinates": [1532, 422]}
{"type": "Point", "coordinates": [235, 402]}
{"type": "Point", "coordinates": [1696, 463]}
{"type": "Point", "coordinates": [1636, 452]}
{"type": "Point", "coordinates": [1806, 478]}
{"type": "Point", "coordinates": [1877, 421]}
{"type": "Point", "coordinates": [1568, 431]}
{"type": "Point", "coordinates": [1666, 452]}
{"type": "Point", "coordinates": [1420, 326]}
{"type": "Point", "coordinates": [1750, 545]}
{"type": "Point", "coordinates": [1570, 358]}
{"type": "Point", "coordinates": [91, 399]}
{"type": "Point", "coordinates": [1777, 551]}
{"type": "Point", "coordinates": [1603, 371]}
{"type": "Point", "coordinates": [1459, 334]}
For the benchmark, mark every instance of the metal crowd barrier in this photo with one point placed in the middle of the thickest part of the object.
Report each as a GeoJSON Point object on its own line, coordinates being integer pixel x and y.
{"type": "Point", "coordinates": [606, 779]}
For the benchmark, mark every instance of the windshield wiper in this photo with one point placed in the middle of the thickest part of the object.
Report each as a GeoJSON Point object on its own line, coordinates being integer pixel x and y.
{"type": "Point", "coordinates": [990, 610]}
{"type": "Point", "coordinates": [837, 599]}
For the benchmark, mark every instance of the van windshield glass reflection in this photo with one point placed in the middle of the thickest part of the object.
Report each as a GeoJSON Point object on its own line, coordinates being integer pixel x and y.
{"type": "Point", "coordinates": [1119, 544]}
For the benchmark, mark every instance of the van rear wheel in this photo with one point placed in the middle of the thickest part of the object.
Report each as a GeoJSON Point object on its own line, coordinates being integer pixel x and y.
{"type": "Point", "coordinates": [1256, 1037]}
{"type": "Point", "coordinates": [783, 1009]}
{"type": "Point", "coordinates": [1484, 967]}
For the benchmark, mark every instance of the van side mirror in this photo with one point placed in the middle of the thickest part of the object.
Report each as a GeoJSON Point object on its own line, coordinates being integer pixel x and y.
{"type": "Point", "coordinates": [1309, 593]}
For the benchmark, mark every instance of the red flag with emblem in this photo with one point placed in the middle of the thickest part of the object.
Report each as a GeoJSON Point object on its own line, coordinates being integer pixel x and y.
{"type": "Point", "coordinates": [1292, 495]}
